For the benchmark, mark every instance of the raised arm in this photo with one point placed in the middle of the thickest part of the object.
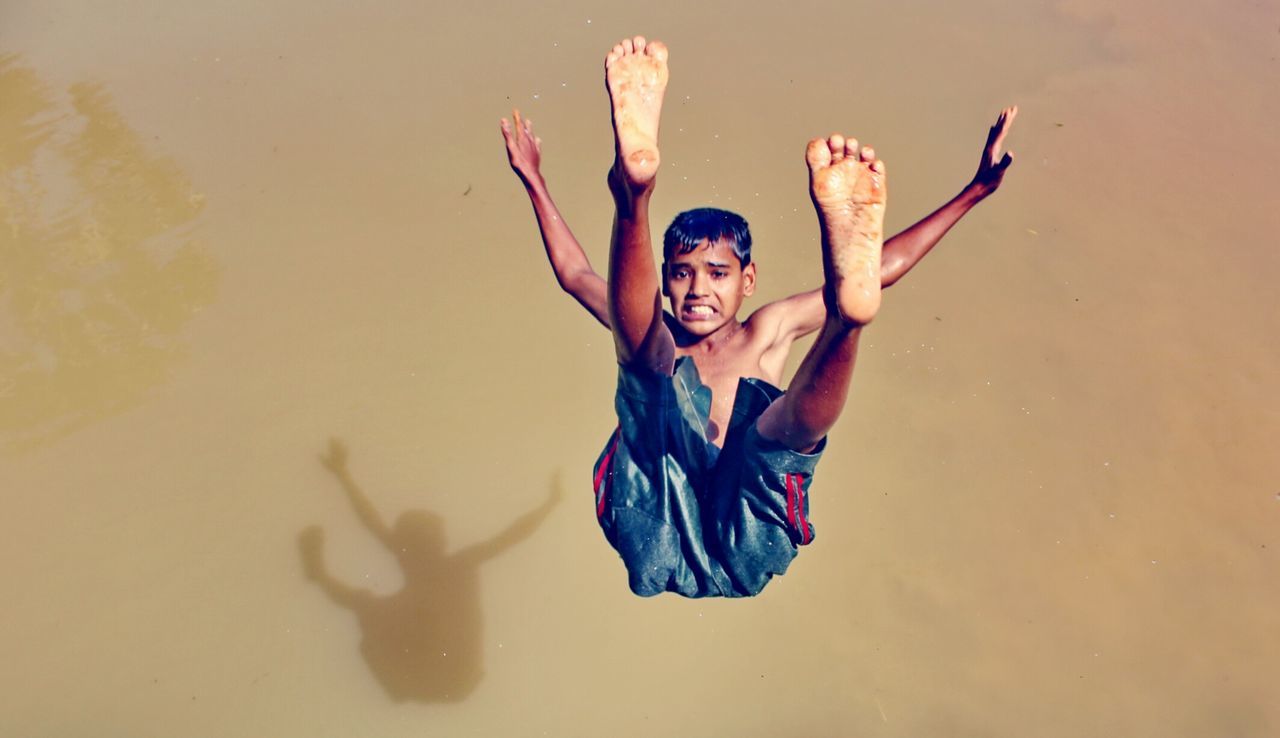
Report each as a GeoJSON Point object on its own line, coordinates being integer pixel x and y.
{"type": "Point", "coordinates": [802, 314]}
{"type": "Point", "coordinates": [522, 528]}
{"type": "Point", "coordinates": [311, 545]}
{"type": "Point", "coordinates": [336, 461]}
{"type": "Point", "coordinates": [569, 262]}
{"type": "Point", "coordinates": [905, 250]}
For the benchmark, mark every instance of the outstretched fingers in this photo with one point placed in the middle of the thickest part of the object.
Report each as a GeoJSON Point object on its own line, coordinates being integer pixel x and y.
{"type": "Point", "coordinates": [522, 127]}
{"type": "Point", "coordinates": [996, 136]}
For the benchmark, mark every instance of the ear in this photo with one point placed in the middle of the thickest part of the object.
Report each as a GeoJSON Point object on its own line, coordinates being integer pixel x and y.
{"type": "Point", "coordinates": [749, 280]}
{"type": "Point", "coordinates": [663, 275]}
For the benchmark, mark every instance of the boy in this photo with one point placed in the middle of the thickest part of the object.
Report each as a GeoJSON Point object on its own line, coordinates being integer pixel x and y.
{"type": "Point", "coordinates": [702, 489]}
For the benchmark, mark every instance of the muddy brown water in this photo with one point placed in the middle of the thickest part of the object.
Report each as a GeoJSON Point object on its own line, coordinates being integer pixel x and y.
{"type": "Point", "coordinates": [235, 232]}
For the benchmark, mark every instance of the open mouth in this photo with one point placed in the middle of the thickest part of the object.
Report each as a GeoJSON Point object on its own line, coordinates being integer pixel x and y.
{"type": "Point", "coordinates": [699, 311]}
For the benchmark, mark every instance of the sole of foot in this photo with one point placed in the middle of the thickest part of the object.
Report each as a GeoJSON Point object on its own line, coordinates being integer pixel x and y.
{"type": "Point", "coordinates": [847, 184]}
{"type": "Point", "coordinates": [636, 77]}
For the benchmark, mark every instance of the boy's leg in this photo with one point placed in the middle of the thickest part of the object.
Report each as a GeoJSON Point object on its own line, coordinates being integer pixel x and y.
{"type": "Point", "coordinates": [636, 76]}
{"type": "Point", "coordinates": [847, 185]}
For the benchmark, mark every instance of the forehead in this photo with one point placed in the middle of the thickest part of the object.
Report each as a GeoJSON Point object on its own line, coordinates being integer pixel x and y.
{"type": "Point", "coordinates": [718, 252]}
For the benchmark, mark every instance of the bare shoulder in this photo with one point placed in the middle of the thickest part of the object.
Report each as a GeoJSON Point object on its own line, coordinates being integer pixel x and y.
{"type": "Point", "coordinates": [783, 321]}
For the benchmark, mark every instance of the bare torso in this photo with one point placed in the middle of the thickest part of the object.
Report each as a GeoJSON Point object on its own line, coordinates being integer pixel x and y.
{"type": "Point", "coordinates": [745, 350]}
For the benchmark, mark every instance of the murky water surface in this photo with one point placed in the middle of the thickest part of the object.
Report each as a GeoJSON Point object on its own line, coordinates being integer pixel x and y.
{"type": "Point", "coordinates": [296, 431]}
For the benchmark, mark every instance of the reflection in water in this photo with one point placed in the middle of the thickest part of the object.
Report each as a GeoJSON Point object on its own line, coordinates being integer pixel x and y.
{"type": "Point", "coordinates": [98, 269]}
{"type": "Point", "coordinates": [422, 643]}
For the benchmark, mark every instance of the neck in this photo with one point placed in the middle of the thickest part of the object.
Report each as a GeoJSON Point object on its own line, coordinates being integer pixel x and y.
{"type": "Point", "coordinates": [710, 342]}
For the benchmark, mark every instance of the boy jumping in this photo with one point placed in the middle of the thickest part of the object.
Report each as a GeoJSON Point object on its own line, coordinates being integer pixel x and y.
{"type": "Point", "coordinates": [703, 487]}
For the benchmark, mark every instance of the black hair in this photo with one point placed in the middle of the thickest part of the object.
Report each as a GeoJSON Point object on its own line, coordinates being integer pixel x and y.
{"type": "Point", "coordinates": [692, 227]}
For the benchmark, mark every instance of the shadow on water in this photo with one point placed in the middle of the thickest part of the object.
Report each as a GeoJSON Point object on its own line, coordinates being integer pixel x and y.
{"type": "Point", "coordinates": [99, 270]}
{"type": "Point", "coordinates": [424, 642]}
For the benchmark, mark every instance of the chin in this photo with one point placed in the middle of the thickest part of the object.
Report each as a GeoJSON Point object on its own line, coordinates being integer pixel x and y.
{"type": "Point", "coordinates": [701, 327]}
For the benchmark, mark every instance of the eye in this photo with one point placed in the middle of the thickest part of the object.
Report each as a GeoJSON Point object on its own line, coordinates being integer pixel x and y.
{"type": "Point", "coordinates": [719, 274]}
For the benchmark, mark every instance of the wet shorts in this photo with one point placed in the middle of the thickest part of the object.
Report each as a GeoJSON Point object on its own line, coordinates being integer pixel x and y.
{"type": "Point", "coordinates": [686, 516]}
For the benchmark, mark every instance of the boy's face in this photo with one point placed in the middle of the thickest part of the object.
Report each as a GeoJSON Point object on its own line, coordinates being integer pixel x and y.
{"type": "Point", "coordinates": [707, 286]}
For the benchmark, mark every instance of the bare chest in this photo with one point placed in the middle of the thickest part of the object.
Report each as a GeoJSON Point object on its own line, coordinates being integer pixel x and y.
{"type": "Point", "coordinates": [721, 375]}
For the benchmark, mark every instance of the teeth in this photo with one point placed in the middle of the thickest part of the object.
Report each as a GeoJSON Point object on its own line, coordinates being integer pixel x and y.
{"type": "Point", "coordinates": [700, 309]}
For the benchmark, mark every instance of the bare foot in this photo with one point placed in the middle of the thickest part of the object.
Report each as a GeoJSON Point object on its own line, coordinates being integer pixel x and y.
{"type": "Point", "coordinates": [636, 75]}
{"type": "Point", "coordinates": [848, 189]}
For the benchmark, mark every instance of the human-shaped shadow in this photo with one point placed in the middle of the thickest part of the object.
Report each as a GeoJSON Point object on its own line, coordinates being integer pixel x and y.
{"type": "Point", "coordinates": [424, 642]}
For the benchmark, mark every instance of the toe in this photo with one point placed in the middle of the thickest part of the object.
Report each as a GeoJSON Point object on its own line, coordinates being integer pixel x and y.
{"type": "Point", "coordinates": [638, 43]}
{"type": "Point", "coordinates": [868, 154]}
{"type": "Point", "coordinates": [877, 166]}
{"type": "Point", "coordinates": [835, 143]}
{"type": "Point", "coordinates": [817, 155]}
{"type": "Point", "coordinates": [628, 47]}
{"type": "Point", "coordinates": [657, 50]}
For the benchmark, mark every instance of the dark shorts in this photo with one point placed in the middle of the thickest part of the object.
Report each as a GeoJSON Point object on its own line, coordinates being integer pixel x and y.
{"type": "Point", "coordinates": [686, 516]}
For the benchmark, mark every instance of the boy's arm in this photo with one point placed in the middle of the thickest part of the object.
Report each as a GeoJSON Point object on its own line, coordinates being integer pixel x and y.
{"type": "Point", "coordinates": [905, 250]}
{"type": "Point", "coordinates": [802, 314]}
{"type": "Point", "coordinates": [569, 262]}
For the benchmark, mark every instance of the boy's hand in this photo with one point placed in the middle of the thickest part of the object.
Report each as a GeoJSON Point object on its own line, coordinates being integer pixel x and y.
{"type": "Point", "coordinates": [992, 167]}
{"type": "Point", "coordinates": [524, 150]}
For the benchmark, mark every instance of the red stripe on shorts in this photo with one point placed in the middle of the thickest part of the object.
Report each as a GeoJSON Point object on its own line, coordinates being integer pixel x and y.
{"type": "Point", "coordinates": [791, 502]}
{"type": "Point", "coordinates": [605, 473]}
{"type": "Point", "coordinates": [804, 523]}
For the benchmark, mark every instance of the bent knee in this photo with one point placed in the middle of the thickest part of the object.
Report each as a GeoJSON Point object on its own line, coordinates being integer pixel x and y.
{"type": "Point", "coordinates": [781, 423]}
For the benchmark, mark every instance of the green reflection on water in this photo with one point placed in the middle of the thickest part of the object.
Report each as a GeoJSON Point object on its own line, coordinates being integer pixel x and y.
{"type": "Point", "coordinates": [99, 266]}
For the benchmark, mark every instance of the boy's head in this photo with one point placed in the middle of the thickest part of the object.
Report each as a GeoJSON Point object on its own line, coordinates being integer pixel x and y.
{"type": "Point", "coordinates": [706, 268]}
{"type": "Point", "coordinates": [692, 228]}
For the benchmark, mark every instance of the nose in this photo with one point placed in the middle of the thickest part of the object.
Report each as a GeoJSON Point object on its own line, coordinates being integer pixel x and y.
{"type": "Point", "coordinates": [696, 284]}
